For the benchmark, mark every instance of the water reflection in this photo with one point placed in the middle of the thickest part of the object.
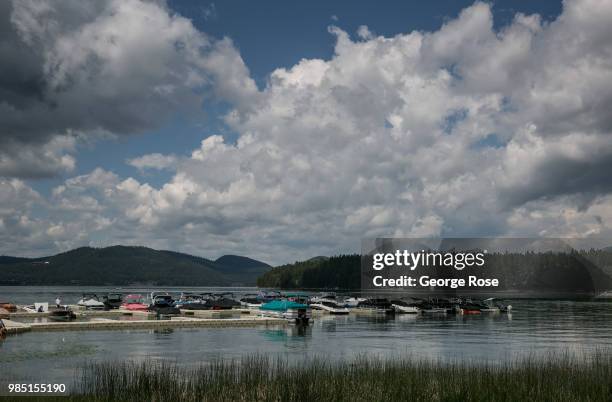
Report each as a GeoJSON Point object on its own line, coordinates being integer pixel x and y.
{"type": "Point", "coordinates": [292, 337]}
{"type": "Point", "coordinates": [163, 331]}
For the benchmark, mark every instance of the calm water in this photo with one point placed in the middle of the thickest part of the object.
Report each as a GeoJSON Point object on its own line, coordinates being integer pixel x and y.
{"type": "Point", "coordinates": [534, 328]}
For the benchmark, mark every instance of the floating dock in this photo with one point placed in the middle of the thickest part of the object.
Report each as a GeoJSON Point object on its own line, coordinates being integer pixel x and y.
{"type": "Point", "coordinates": [175, 322]}
{"type": "Point", "coordinates": [14, 327]}
{"type": "Point", "coordinates": [108, 320]}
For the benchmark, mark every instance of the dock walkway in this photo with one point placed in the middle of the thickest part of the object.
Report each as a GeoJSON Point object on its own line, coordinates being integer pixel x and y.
{"type": "Point", "coordinates": [108, 320]}
{"type": "Point", "coordinates": [14, 327]}
{"type": "Point", "coordinates": [178, 322]}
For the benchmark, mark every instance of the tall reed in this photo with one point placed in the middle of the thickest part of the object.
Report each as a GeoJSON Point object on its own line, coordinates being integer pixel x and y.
{"type": "Point", "coordinates": [259, 378]}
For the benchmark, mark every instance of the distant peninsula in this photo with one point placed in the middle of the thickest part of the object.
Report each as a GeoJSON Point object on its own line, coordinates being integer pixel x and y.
{"type": "Point", "coordinates": [584, 270]}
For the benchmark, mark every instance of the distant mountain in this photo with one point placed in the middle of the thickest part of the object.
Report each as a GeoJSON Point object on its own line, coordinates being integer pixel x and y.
{"type": "Point", "coordinates": [237, 268]}
{"type": "Point", "coordinates": [129, 265]}
{"type": "Point", "coordinates": [239, 262]}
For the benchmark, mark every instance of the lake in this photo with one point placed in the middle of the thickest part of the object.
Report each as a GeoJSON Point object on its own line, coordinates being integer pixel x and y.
{"type": "Point", "coordinates": [535, 328]}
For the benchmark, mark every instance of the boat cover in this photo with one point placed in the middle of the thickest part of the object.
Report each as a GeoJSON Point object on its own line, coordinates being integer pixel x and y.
{"type": "Point", "coordinates": [282, 305]}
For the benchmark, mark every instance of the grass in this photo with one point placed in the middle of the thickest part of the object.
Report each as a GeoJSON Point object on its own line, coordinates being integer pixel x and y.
{"type": "Point", "coordinates": [257, 378]}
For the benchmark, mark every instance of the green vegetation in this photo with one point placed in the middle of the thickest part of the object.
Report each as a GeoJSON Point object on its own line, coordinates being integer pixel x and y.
{"type": "Point", "coordinates": [121, 266]}
{"type": "Point", "coordinates": [340, 272]}
{"type": "Point", "coordinates": [574, 271]}
{"type": "Point", "coordinates": [258, 378]}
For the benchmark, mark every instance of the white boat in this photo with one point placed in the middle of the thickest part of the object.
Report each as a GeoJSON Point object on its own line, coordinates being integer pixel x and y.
{"type": "Point", "coordinates": [37, 308]}
{"type": "Point", "coordinates": [495, 308]}
{"type": "Point", "coordinates": [376, 306]}
{"type": "Point", "coordinates": [330, 307]}
{"type": "Point", "coordinates": [400, 308]}
{"type": "Point", "coordinates": [353, 301]}
{"type": "Point", "coordinates": [406, 306]}
{"type": "Point", "coordinates": [434, 310]}
{"type": "Point", "coordinates": [251, 301]}
{"type": "Point", "coordinates": [324, 297]}
{"type": "Point", "coordinates": [91, 302]}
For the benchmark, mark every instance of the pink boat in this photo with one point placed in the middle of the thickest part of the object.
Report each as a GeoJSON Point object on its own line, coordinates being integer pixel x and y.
{"type": "Point", "coordinates": [134, 303]}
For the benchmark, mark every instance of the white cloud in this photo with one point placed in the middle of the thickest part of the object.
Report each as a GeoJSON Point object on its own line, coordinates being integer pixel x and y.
{"type": "Point", "coordinates": [391, 136]}
{"type": "Point", "coordinates": [154, 161]}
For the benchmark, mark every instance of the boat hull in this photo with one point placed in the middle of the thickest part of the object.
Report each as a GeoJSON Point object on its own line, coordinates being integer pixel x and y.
{"type": "Point", "coordinates": [435, 310]}
{"type": "Point", "coordinates": [61, 316]}
{"type": "Point", "coordinates": [91, 304]}
{"type": "Point", "coordinates": [406, 309]}
{"type": "Point", "coordinates": [135, 307]}
{"type": "Point", "coordinates": [250, 305]}
{"type": "Point", "coordinates": [373, 311]}
{"type": "Point", "coordinates": [297, 316]}
{"type": "Point", "coordinates": [330, 310]}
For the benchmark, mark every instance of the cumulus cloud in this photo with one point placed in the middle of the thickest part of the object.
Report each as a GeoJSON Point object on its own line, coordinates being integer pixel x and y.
{"type": "Point", "coordinates": [389, 137]}
{"type": "Point", "coordinates": [153, 161]}
{"type": "Point", "coordinates": [87, 68]}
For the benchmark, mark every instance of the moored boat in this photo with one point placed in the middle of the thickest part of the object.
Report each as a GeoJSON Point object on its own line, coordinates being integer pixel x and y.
{"type": "Point", "coordinates": [224, 301]}
{"type": "Point", "coordinates": [252, 300]}
{"type": "Point", "coordinates": [41, 307]}
{"type": "Point", "coordinates": [406, 306]}
{"type": "Point", "coordinates": [429, 309]}
{"type": "Point", "coordinates": [192, 301]}
{"type": "Point", "coordinates": [436, 306]}
{"type": "Point", "coordinates": [64, 314]}
{"type": "Point", "coordinates": [353, 301]}
{"type": "Point", "coordinates": [324, 297]}
{"type": "Point", "coordinates": [134, 302]}
{"type": "Point", "coordinates": [112, 300]}
{"type": "Point", "coordinates": [499, 306]}
{"type": "Point", "coordinates": [91, 302]}
{"type": "Point", "coordinates": [330, 307]}
{"type": "Point", "coordinates": [10, 307]}
{"type": "Point", "coordinates": [162, 303]}
{"type": "Point", "coordinates": [255, 300]}
{"type": "Point", "coordinates": [293, 311]}
{"type": "Point", "coordinates": [374, 306]}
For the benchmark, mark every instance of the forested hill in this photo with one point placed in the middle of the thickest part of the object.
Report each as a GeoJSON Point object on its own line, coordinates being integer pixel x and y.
{"type": "Point", "coordinates": [585, 271]}
{"type": "Point", "coordinates": [339, 272]}
{"type": "Point", "coordinates": [123, 265]}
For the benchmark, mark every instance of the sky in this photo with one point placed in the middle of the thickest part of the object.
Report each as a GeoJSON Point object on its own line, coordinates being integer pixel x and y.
{"type": "Point", "coordinates": [285, 130]}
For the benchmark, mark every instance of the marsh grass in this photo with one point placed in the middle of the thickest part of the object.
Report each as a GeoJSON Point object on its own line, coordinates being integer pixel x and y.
{"type": "Point", "coordinates": [258, 378]}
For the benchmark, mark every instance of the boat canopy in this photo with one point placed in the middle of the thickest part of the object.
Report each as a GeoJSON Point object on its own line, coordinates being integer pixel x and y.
{"type": "Point", "coordinates": [282, 305]}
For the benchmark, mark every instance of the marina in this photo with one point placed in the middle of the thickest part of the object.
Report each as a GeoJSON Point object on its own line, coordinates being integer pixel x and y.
{"type": "Point", "coordinates": [162, 309]}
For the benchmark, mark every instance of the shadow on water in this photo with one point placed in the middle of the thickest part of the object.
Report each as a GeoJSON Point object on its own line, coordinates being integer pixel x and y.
{"type": "Point", "coordinates": [163, 331]}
